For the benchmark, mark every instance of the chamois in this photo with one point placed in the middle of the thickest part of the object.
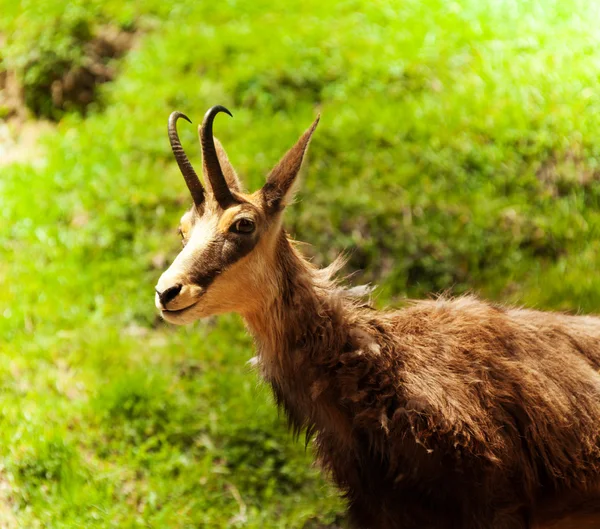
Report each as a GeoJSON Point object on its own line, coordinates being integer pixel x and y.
{"type": "Point", "coordinates": [451, 413]}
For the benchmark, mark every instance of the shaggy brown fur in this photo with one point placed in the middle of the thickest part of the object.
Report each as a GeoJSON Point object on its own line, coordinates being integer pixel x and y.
{"type": "Point", "coordinates": [448, 414]}
{"type": "Point", "coordinates": [452, 413]}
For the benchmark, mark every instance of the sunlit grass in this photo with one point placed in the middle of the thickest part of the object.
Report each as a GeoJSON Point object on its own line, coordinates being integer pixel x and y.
{"type": "Point", "coordinates": [458, 149]}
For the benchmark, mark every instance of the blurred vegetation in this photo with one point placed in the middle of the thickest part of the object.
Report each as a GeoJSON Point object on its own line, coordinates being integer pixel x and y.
{"type": "Point", "coordinates": [60, 57]}
{"type": "Point", "coordinates": [458, 149]}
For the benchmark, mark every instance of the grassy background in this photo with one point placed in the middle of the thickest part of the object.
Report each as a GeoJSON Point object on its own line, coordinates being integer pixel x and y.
{"type": "Point", "coordinates": [458, 149]}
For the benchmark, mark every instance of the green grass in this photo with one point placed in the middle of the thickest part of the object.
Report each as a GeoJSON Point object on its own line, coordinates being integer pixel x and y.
{"type": "Point", "coordinates": [458, 149]}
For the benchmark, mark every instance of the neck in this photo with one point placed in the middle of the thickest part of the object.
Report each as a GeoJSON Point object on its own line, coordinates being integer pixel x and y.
{"type": "Point", "coordinates": [297, 299]}
{"type": "Point", "coordinates": [300, 330]}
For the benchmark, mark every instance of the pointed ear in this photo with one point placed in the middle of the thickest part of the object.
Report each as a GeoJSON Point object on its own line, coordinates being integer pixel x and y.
{"type": "Point", "coordinates": [229, 173]}
{"type": "Point", "coordinates": [278, 190]}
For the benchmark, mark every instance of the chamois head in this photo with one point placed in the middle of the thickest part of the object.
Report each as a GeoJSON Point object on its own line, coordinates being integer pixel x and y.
{"type": "Point", "coordinates": [229, 237]}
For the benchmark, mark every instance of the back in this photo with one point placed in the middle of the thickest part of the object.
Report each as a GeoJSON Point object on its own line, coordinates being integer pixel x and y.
{"type": "Point", "coordinates": [518, 390]}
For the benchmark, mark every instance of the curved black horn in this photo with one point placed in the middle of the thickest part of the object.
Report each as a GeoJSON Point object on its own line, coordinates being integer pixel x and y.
{"type": "Point", "coordinates": [191, 178]}
{"type": "Point", "coordinates": [211, 161]}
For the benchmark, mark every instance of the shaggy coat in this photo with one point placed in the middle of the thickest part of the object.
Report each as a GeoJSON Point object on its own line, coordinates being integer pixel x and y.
{"type": "Point", "coordinates": [447, 414]}
{"type": "Point", "coordinates": [450, 413]}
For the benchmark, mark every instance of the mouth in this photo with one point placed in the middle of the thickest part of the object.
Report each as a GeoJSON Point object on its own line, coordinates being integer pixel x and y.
{"type": "Point", "coordinates": [178, 315]}
{"type": "Point", "coordinates": [175, 312]}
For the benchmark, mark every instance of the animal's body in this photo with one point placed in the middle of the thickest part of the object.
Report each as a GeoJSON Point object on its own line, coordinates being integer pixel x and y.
{"type": "Point", "coordinates": [448, 413]}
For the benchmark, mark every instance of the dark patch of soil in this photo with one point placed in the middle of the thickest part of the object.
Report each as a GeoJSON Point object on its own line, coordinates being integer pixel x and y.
{"type": "Point", "coordinates": [76, 88]}
{"type": "Point", "coordinates": [67, 87]}
{"type": "Point", "coordinates": [73, 89]}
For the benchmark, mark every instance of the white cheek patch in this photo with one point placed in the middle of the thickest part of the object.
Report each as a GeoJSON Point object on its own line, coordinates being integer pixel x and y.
{"type": "Point", "coordinates": [203, 233]}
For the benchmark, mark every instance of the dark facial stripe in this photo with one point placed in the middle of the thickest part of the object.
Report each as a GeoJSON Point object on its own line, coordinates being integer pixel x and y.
{"type": "Point", "coordinates": [222, 252]}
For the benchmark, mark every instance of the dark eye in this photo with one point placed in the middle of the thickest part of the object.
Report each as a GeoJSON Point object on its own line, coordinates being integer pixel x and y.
{"type": "Point", "coordinates": [242, 226]}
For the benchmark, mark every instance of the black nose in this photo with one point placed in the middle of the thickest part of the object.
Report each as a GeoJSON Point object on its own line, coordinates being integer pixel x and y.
{"type": "Point", "coordinates": [168, 295]}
